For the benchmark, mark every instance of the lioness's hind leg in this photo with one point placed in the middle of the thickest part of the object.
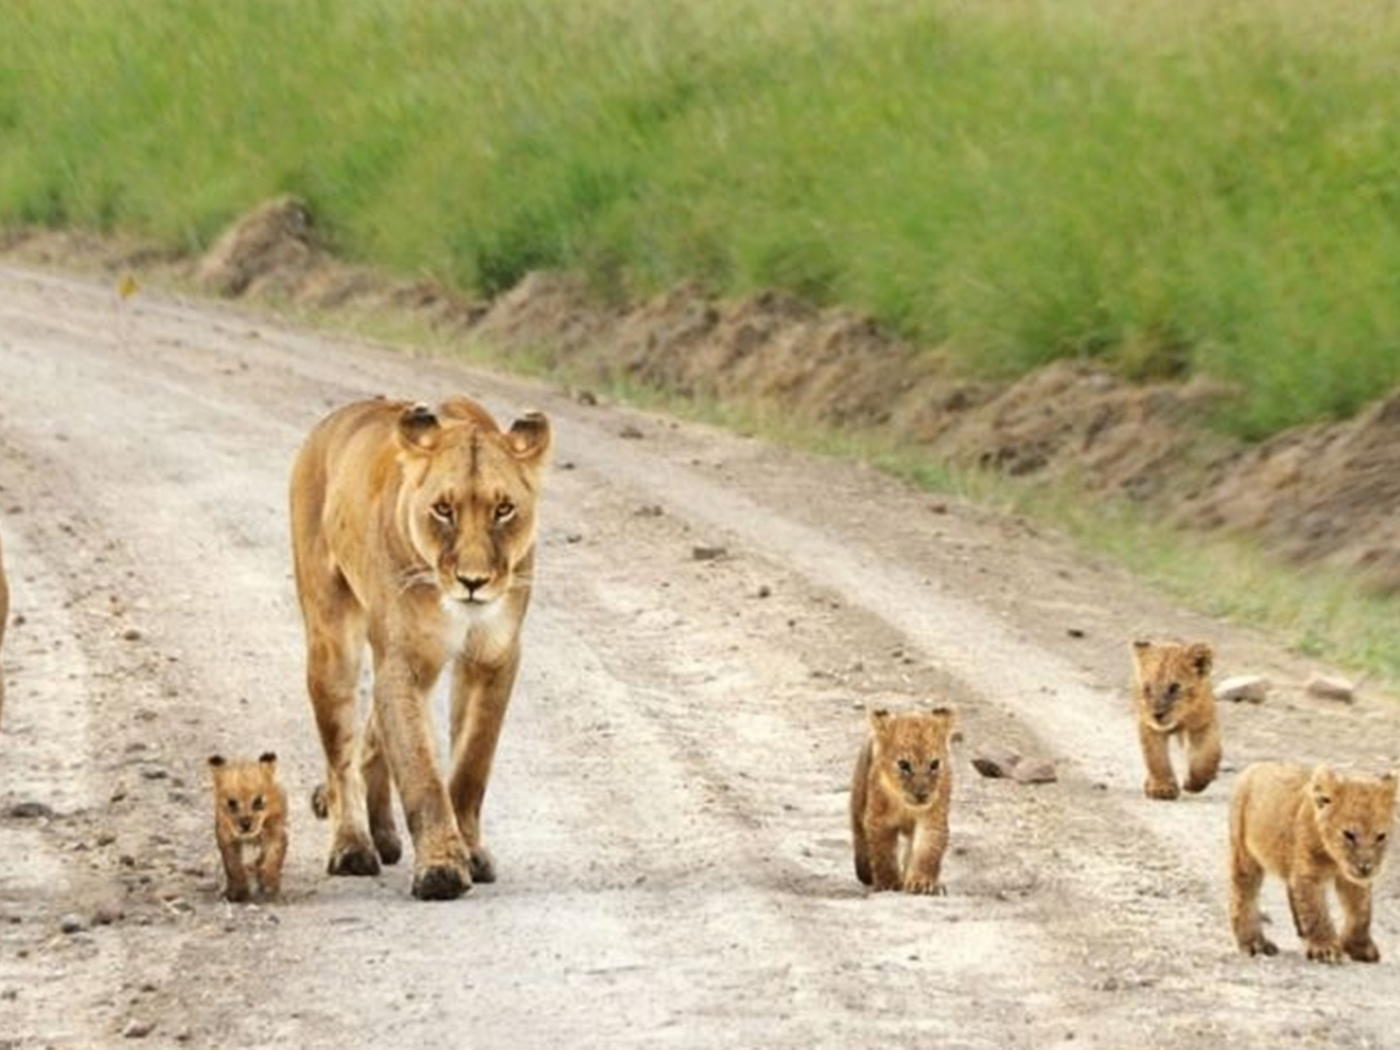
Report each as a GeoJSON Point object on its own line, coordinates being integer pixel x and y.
{"type": "Point", "coordinates": [332, 674]}
{"type": "Point", "coordinates": [379, 794]}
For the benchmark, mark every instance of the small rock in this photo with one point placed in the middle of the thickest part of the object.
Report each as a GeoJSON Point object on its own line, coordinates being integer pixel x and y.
{"type": "Point", "coordinates": [138, 1029]}
{"type": "Point", "coordinates": [107, 913]}
{"type": "Point", "coordinates": [703, 553]}
{"type": "Point", "coordinates": [651, 510]}
{"type": "Point", "coordinates": [1034, 771]}
{"type": "Point", "coordinates": [995, 762]}
{"type": "Point", "coordinates": [1076, 632]}
{"type": "Point", "coordinates": [585, 397]}
{"type": "Point", "coordinates": [72, 923]}
{"type": "Point", "coordinates": [1330, 687]}
{"type": "Point", "coordinates": [764, 591]}
{"type": "Point", "coordinates": [131, 634]}
{"type": "Point", "coordinates": [29, 810]}
{"type": "Point", "coordinates": [631, 433]}
{"type": "Point", "coordinates": [1246, 688]}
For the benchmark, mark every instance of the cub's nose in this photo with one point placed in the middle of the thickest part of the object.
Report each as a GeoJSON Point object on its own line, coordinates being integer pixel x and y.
{"type": "Point", "coordinates": [245, 823]}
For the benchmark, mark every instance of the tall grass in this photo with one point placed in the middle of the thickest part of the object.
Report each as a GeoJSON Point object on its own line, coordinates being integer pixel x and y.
{"type": "Point", "coordinates": [1170, 186]}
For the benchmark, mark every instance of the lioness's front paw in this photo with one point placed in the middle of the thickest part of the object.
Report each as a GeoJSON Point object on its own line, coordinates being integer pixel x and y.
{"type": "Point", "coordinates": [1161, 789]}
{"type": "Point", "coordinates": [1326, 951]}
{"type": "Point", "coordinates": [1195, 786]}
{"type": "Point", "coordinates": [355, 859]}
{"type": "Point", "coordinates": [929, 887]}
{"type": "Point", "coordinates": [1363, 951]}
{"type": "Point", "coordinates": [441, 882]}
{"type": "Point", "coordinates": [388, 846]}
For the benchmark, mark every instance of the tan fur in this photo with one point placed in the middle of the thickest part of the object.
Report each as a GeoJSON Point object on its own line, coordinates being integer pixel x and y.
{"type": "Point", "coordinates": [250, 824]}
{"type": "Point", "coordinates": [1311, 828]}
{"type": "Point", "coordinates": [4, 618]}
{"type": "Point", "coordinates": [413, 531]}
{"type": "Point", "coordinates": [1175, 699]}
{"type": "Point", "coordinates": [899, 801]}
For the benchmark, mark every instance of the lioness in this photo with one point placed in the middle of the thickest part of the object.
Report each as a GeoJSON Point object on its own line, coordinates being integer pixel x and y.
{"type": "Point", "coordinates": [1312, 828]}
{"type": "Point", "coordinates": [414, 529]}
{"type": "Point", "coordinates": [900, 791]}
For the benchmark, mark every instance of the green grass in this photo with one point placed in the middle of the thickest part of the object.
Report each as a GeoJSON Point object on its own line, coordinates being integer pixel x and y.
{"type": "Point", "coordinates": [1169, 186]}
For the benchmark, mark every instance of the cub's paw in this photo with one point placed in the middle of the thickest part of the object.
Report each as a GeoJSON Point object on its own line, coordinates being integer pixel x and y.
{"type": "Point", "coordinates": [237, 894]}
{"type": "Point", "coordinates": [353, 860]}
{"type": "Point", "coordinates": [1260, 945]}
{"type": "Point", "coordinates": [1326, 951]}
{"type": "Point", "coordinates": [928, 887]}
{"type": "Point", "coordinates": [1161, 789]}
{"type": "Point", "coordinates": [441, 882]}
{"type": "Point", "coordinates": [482, 864]}
{"type": "Point", "coordinates": [1363, 951]}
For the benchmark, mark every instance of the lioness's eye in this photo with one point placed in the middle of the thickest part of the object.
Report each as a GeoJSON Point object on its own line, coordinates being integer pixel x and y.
{"type": "Point", "coordinates": [505, 510]}
{"type": "Point", "coordinates": [258, 804]}
{"type": "Point", "coordinates": [1350, 836]}
{"type": "Point", "coordinates": [232, 804]}
{"type": "Point", "coordinates": [443, 511]}
{"type": "Point", "coordinates": [905, 767]}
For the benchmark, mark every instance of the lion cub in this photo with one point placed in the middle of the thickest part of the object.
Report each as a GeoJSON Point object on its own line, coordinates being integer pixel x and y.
{"type": "Point", "coordinates": [250, 823]}
{"type": "Point", "coordinates": [899, 801]}
{"type": "Point", "coordinates": [1174, 698]}
{"type": "Point", "coordinates": [1311, 827]}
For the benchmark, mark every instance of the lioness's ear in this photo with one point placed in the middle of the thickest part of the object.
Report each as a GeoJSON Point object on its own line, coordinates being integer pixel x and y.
{"type": "Point", "coordinates": [530, 436]}
{"type": "Point", "coordinates": [419, 427]}
{"type": "Point", "coordinates": [216, 760]}
{"type": "Point", "coordinates": [1202, 658]}
{"type": "Point", "coordinates": [1322, 786]}
{"type": "Point", "coordinates": [268, 758]}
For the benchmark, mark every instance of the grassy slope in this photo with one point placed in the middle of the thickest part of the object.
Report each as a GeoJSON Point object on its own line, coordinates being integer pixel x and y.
{"type": "Point", "coordinates": [1171, 185]}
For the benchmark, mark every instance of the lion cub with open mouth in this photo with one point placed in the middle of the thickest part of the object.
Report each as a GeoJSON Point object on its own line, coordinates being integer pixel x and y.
{"type": "Point", "coordinates": [899, 801]}
{"type": "Point", "coordinates": [250, 824]}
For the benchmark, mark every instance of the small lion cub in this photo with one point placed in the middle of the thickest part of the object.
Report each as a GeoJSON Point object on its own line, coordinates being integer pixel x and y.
{"type": "Point", "coordinates": [1175, 698]}
{"type": "Point", "coordinates": [1310, 827]}
{"type": "Point", "coordinates": [250, 824]}
{"type": "Point", "coordinates": [899, 800]}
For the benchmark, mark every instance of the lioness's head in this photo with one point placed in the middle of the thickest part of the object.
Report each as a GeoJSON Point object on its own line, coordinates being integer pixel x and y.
{"type": "Point", "coordinates": [469, 496]}
{"type": "Point", "coordinates": [244, 793]}
{"type": "Point", "coordinates": [1172, 680]}
{"type": "Point", "coordinates": [910, 752]}
{"type": "Point", "coordinates": [1354, 816]}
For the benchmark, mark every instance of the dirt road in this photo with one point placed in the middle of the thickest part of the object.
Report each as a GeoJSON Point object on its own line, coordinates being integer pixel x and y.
{"type": "Point", "coordinates": [668, 812]}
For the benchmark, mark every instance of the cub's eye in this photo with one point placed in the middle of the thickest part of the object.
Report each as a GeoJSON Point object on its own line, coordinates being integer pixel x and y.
{"type": "Point", "coordinates": [444, 511]}
{"type": "Point", "coordinates": [232, 804]}
{"type": "Point", "coordinates": [1380, 837]}
{"type": "Point", "coordinates": [505, 510]}
{"type": "Point", "coordinates": [906, 769]}
{"type": "Point", "coordinates": [1350, 836]}
{"type": "Point", "coordinates": [258, 804]}
{"type": "Point", "coordinates": [934, 765]}
{"type": "Point", "coordinates": [1173, 690]}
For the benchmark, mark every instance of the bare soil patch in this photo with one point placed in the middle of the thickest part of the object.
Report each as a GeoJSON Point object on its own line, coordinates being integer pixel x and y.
{"type": "Point", "coordinates": [1313, 494]}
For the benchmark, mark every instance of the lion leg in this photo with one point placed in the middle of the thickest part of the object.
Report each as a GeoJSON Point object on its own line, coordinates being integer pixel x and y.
{"type": "Point", "coordinates": [1161, 781]}
{"type": "Point", "coordinates": [379, 793]}
{"type": "Point", "coordinates": [884, 857]}
{"type": "Point", "coordinates": [1246, 876]}
{"type": "Point", "coordinates": [921, 874]}
{"type": "Point", "coordinates": [270, 864]}
{"type": "Point", "coordinates": [1356, 928]}
{"type": "Point", "coordinates": [333, 673]}
{"type": "Point", "coordinates": [1309, 906]}
{"type": "Point", "coordinates": [860, 788]}
{"type": "Point", "coordinates": [1203, 756]}
{"type": "Point", "coordinates": [479, 699]}
{"type": "Point", "coordinates": [440, 868]}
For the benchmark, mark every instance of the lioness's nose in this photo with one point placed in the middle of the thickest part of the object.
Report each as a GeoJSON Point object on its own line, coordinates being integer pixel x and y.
{"type": "Point", "coordinates": [473, 583]}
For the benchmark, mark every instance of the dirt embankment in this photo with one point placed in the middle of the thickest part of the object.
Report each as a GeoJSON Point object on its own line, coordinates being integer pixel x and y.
{"type": "Point", "coordinates": [1314, 494]}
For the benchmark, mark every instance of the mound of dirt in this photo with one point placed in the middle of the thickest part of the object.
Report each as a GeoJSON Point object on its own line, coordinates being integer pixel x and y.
{"type": "Point", "coordinates": [1326, 493]}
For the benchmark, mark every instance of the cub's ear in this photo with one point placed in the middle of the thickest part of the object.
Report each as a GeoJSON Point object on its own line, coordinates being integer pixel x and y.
{"type": "Point", "coordinates": [1322, 786]}
{"type": "Point", "coordinates": [530, 436]}
{"type": "Point", "coordinates": [879, 717]}
{"type": "Point", "coordinates": [944, 713]}
{"type": "Point", "coordinates": [268, 758]}
{"type": "Point", "coordinates": [1141, 648]}
{"type": "Point", "coordinates": [1202, 658]}
{"type": "Point", "coordinates": [419, 428]}
{"type": "Point", "coordinates": [1389, 784]}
